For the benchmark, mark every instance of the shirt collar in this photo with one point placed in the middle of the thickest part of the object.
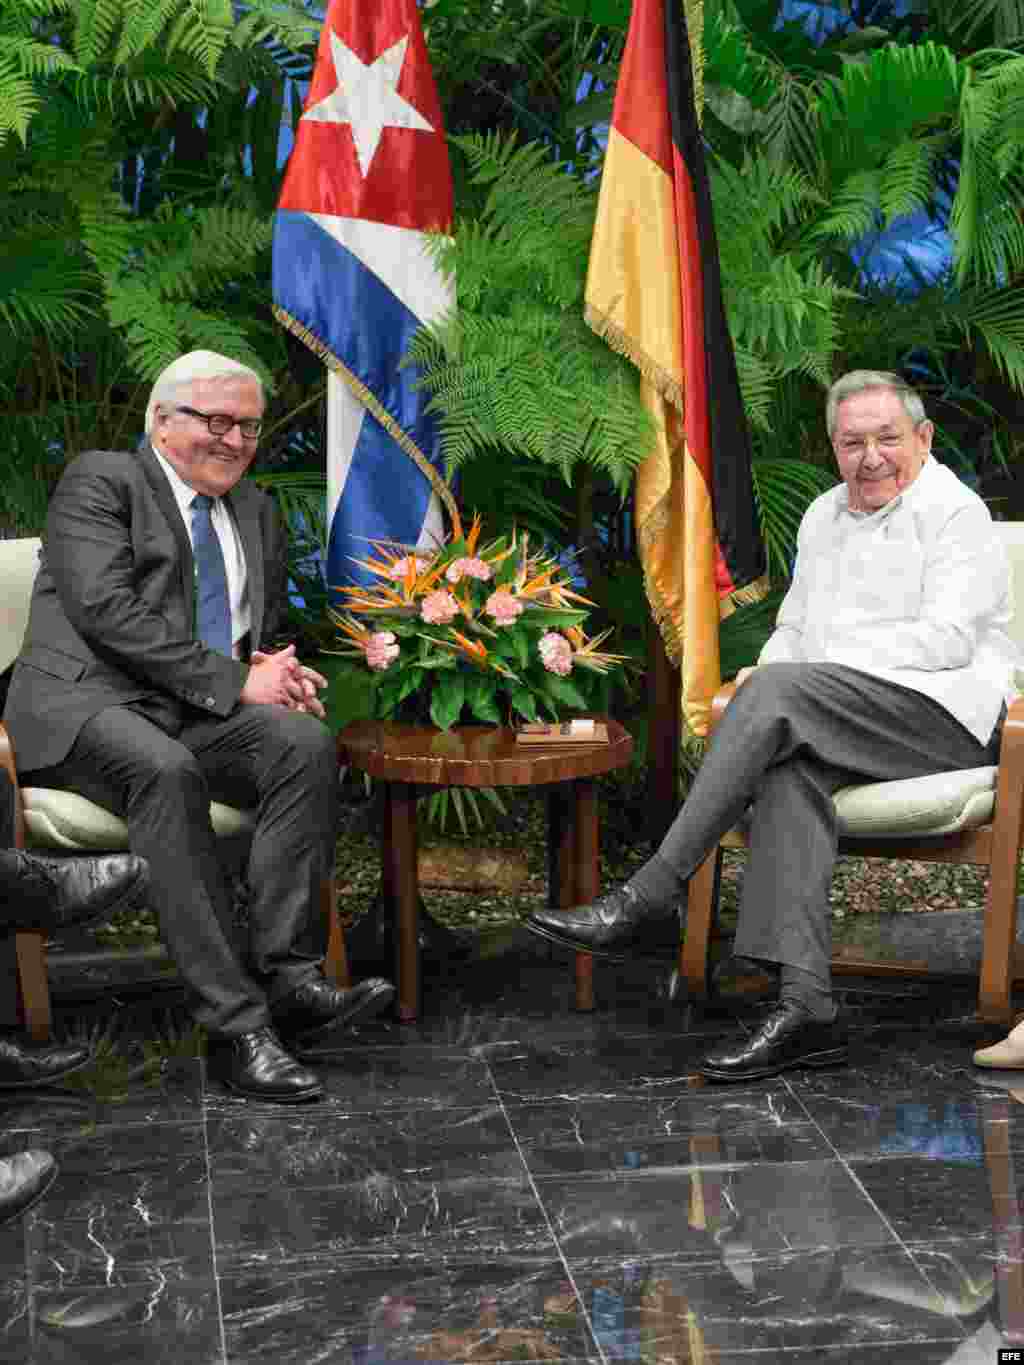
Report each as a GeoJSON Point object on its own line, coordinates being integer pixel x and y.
{"type": "Point", "coordinates": [183, 493]}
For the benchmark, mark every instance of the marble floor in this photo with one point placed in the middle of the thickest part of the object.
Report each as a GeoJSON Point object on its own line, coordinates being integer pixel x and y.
{"type": "Point", "coordinates": [508, 1180]}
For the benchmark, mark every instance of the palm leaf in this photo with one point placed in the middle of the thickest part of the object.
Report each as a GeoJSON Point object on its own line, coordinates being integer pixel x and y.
{"type": "Point", "coordinates": [784, 489]}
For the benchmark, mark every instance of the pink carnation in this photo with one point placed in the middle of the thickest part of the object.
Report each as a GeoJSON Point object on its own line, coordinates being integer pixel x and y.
{"type": "Point", "coordinates": [468, 568]}
{"type": "Point", "coordinates": [381, 649]}
{"type": "Point", "coordinates": [401, 567]}
{"type": "Point", "coordinates": [503, 607]}
{"type": "Point", "coordinates": [438, 608]}
{"type": "Point", "coordinates": [555, 653]}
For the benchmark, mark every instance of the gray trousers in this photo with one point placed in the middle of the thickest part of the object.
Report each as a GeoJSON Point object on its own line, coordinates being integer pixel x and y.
{"type": "Point", "coordinates": [792, 735]}
{"type": "Point", "coordinates": [280, 762]}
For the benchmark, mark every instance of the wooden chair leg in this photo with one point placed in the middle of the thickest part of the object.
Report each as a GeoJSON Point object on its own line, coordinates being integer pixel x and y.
{"type": "Point", "coordinates": [336, 961]}
{"type": "Point", "coordinates": [30, 947]}
{"type": "Point", "coordinates": [694, 967]}
{"type": "Point", "coordinates": [587, 878]}
{"type": "Point", "coordinates": [998, 951]}
{"type": "Point", "coordinates": [999, 935]}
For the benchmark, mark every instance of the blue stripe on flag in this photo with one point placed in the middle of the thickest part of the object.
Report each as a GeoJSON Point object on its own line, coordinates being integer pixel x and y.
{"type": "Point", "coordinates": [352, 312]}
{"type": "Point", "coordinates": [385, 498]}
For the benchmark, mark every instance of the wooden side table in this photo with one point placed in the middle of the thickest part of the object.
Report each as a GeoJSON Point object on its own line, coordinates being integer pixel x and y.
{"type": "Point", "coordinates": [405, 757]}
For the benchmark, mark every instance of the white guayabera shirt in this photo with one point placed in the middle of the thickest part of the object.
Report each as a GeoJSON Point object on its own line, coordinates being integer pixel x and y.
{"type": "Point", "coordinates": [917, 593]}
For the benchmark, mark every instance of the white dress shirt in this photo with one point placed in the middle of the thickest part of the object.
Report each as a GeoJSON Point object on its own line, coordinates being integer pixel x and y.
{"type": "Point", "coordinates": [230, 545]}
{"type": "Point", "coordinates": [917, 592]}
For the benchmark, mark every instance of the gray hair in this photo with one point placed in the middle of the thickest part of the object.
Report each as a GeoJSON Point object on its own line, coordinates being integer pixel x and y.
{"type": "Point", "coordinates": [857, 381]}
{"type": "Point", "coordinates": [182, 373]}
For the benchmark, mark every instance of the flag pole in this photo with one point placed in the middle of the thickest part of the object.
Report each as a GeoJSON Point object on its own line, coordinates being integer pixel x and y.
{"type": "Point", "coordinates": [664, 735]}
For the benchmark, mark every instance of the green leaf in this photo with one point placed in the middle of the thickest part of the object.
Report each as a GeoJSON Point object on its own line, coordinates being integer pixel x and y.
{"type": "Point", "coordinates": [481, 691]}
{"type": "Point", "coordinates": [447, 699]}
{"type": "Point", "coordinates": [564, 691]}
{"type": "Point", "coordinates": [552, 616]}
{"type": "Point", "coordinates": [411, 682]}
{"type": "Point", "coordinates": [523, 701]}
{"type": "Point", "coordinates": [350, 693]}
{"type": "Point", "coordinates": [388, 695]}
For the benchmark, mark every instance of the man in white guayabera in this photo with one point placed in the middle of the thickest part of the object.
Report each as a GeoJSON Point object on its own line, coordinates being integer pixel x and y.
{"type": "Point", "coordinates": [889, 660]}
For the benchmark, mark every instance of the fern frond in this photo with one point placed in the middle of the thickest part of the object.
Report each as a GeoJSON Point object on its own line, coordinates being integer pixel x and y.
{"type": "Point", "coordinates": [758, 381]}
{"type": "Point", "coordinates": [281, 22]}
{"type": "Point", "coordinates": [783, 490]}
{"type": "Point", "coordinates": [203, 30]}
{"type": "Point", "coordinates": [46, 284]}
{"type": "Point", "coordinates": [143, 25]}
{"type": "Point", "coordinates": [856, 208]}
{"type": "Point", "coordinates": [907, 180]}
{"type": "Point", "coordinates": [96, 23]}
{"type": "Point", "coordinates": [985, 220]}
{"type": "Point", "coordinates": [789, 125]}
{"type": "Point", "coordinates": [877, 103]}
{"type": "Point", "coordinates": [19, 99]}
{"type": "Point", "coordinates": [996, 316]}
{"type": "Point", "coordinates": [33, 58]}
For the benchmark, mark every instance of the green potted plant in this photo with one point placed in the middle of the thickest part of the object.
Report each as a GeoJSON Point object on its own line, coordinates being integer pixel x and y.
{"type": "Point", "coordinates": [486, 632]}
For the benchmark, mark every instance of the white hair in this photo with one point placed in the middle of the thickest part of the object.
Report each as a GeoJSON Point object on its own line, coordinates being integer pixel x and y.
{"type": "Point", "coordinates": [182, 373]}
{"type": "Point", "coordinates": [857, 381]}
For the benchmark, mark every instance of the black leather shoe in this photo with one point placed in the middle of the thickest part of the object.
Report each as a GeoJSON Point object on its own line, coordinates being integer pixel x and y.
{"type": "Point", "coordinates": [316, 1008]}
{"type": "Point", "coordinates": [257, 1066]}
{"type": "Point", "coordinates": [787, 1037]}
{"type": "Point", "coordinates": [24, 1065]}
{"type": "Point", "coordinates": [53, 893]}
{"type": "Point", "coordinates": [24, 1179]}
{"type": "Point", "coordinates": [620, 919]}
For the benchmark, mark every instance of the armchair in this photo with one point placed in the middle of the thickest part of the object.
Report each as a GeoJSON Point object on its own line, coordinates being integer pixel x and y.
{"type": "Point", "coordinates": [63, 822]}
{"type": "Point", "coordinates": [972, 817]}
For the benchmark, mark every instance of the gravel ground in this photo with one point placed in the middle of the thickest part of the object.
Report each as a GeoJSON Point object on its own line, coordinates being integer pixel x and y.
{"type": "Point", "coordinates": [860, 885]}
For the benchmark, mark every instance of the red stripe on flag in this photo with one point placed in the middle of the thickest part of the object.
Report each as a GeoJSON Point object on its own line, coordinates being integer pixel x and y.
{"type": "Point", "coordinates": [641, 113]}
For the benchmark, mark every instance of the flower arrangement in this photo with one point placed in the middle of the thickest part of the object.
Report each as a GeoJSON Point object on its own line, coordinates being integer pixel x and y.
{"type": "Point", "coordinates": [493, 630]}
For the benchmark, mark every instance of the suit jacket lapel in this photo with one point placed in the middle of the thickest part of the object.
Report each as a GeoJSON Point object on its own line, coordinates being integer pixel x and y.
{"type": "Point", "coordinates": [167, 503]}
{"type": "Point", "coordinates": [245, 509]}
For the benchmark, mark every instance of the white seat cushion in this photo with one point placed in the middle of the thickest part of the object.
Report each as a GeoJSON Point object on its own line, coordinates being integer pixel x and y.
{"type": "Point", "coordinates": [941, 803]}
{"type": "Point", "coordinates": [56, 819]}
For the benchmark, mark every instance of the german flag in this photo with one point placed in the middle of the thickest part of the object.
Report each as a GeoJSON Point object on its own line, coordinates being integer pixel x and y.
{"type": "Point", "coordinates": [654, 293]}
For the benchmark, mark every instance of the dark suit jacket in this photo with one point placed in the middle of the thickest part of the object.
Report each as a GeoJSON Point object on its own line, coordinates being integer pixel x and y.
{"type": "Point", "coordinates": [112, 607]}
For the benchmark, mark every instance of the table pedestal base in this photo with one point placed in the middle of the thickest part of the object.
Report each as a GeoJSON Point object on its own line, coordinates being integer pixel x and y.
{"type": "Point", "coordinates": [573, 876]}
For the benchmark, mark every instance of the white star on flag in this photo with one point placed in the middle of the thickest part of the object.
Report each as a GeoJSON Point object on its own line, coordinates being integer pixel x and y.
{"type": "Point", "coordinates": [366, 98]}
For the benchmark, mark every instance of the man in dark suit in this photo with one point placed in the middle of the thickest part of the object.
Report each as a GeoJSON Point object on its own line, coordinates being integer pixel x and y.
{"type": "Point", "coordinates": [143, 685]}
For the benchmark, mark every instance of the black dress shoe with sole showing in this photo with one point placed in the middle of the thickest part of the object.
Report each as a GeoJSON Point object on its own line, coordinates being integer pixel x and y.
{"type": "Point", "coordinates": [787, 1037]}
{"type": "Point", "coordinates": [613, 926]}
{"type": "Point", "coordinates": [257, 1066]}
{"type": "Point", "coordinates": [55, 893]}
{"type": "Point", "coordinates": [316, 1008]}
{"type": "Point", "coordinates": [24, 1179]}
{"type": "Point", "coordinates": [25, 1065]}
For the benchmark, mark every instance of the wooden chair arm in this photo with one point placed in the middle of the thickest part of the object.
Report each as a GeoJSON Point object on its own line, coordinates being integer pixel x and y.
{"type": "Point", "coordinates": [1011, 750]}
{"type": "Point", "coordinates": [8, 764]}
{"type": "Point", "coordinates": [1009, 811]}
{"type": "Point", "coordinates": [721, 700]}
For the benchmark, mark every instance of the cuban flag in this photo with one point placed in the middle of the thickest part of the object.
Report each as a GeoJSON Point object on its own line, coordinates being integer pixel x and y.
{"type": "Point", "coordinates": [367, 179]}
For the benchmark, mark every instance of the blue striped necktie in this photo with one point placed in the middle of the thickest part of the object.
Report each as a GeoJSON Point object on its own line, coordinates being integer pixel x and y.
{"type": "Point", "coordinates": [213, 607]}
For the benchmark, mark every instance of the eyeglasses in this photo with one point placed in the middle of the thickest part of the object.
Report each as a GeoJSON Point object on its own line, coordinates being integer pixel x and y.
{"type": "Point", "coordinates": [220, 423]}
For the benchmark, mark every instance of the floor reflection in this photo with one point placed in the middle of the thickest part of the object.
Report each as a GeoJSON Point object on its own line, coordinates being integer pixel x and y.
{"type": "Point", "coordinates": [531, 1188]}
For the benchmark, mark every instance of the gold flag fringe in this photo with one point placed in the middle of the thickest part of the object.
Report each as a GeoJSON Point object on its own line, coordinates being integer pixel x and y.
{"type": "Point", "coordinates": [600, 323]}
{"type": "Point", "coordinates": [694, 10]}
{"type": "Point", "coordinates": [369, 401]}
{"type": "Point", "coordinates": [750, 593]}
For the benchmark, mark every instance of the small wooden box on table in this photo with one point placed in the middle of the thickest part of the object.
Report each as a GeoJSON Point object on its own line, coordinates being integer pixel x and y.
{"type": "Point", "coordinates": [407, 757]}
